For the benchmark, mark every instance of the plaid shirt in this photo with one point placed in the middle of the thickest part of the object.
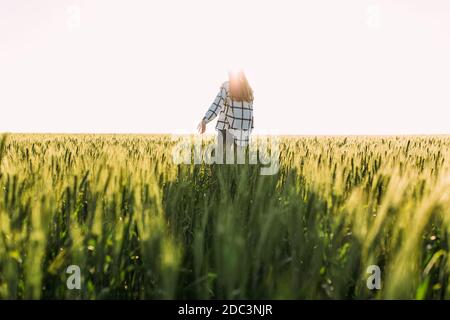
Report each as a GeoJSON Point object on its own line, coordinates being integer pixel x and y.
{"type": "Point", "coordinates": [234, 116]}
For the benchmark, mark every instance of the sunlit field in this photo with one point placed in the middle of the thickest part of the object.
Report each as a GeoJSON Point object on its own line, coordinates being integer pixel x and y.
{"type": "Point", "coordinates": [140, 226]}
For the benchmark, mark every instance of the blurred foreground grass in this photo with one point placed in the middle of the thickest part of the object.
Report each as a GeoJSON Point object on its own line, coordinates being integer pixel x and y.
{"type": "Point", "coordinates": [141, 227]}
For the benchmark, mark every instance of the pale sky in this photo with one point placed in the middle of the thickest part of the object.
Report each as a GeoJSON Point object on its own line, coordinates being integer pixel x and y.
{"type": "Point", "coordinates": [317, 66]}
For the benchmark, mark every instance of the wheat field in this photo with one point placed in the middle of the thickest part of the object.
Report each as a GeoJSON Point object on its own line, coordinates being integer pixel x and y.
{"type": "Point", "coordinates": [140, 226]}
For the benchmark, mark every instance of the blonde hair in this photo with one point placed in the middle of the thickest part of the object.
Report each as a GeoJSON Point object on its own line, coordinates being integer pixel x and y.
{"type": "Point", "coordinates": [240, 89]}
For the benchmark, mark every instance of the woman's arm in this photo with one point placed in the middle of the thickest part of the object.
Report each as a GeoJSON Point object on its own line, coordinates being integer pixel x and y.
{"type": "Point", "coordinates": [214, 109]}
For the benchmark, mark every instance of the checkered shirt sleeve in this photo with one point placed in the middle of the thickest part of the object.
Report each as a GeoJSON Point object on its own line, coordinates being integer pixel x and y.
{"type": "Point", "coordinates": [217, 106]}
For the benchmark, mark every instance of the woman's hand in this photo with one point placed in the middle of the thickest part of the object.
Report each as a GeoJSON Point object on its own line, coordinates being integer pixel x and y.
{"type": "Point", "coordinates": [201, 127]}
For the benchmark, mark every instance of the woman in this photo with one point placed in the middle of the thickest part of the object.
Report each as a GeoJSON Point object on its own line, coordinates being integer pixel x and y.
{"type": "Point", "coordinates": [234, 106]}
